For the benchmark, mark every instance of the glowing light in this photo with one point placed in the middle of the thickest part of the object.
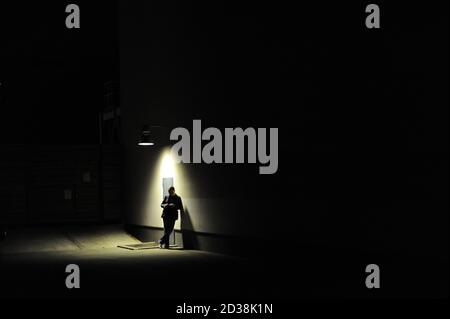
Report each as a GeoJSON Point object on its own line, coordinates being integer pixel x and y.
{"type": "Point", "coordinates": [167, 166]}
{"type": "Point", "coordinates": [145, 139]}
{"type": "Point", "coordinates": [146, 144]}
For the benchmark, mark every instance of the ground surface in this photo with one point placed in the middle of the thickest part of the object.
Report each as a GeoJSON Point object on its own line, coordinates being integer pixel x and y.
{"type": "Point", "coordinates": [33, 263]}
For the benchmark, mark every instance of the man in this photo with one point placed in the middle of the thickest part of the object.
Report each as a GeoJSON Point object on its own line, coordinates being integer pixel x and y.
{"type": "Point", "coordinates": [171, 204]}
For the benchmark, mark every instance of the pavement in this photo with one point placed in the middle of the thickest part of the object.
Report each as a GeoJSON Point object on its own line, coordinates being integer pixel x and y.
{"type": "Point", "coordinates": [33, 264]}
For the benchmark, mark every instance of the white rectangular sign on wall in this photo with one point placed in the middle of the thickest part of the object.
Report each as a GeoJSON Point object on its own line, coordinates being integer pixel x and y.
{"type": "Point", "coordinates": [167, 182]}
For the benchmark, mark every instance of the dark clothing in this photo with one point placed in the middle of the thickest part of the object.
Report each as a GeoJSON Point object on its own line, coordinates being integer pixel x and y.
{"type": "Point", "coordinates": [170, 205]}
{"type": "Point", "coordinates": [169, 224]}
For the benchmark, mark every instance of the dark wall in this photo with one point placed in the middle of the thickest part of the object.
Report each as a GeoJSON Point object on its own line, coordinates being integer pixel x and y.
{"type": "Point", "coordinates": [363, 119]}
{"type": "Point", "coordinates": [57, 183]}
{"type": "Point", "coordinates": [52, 77]}
{"type": "Point", "coordinates": [51, 92]}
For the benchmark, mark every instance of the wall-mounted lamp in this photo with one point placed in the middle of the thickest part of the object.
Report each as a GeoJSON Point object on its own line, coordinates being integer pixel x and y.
{"type": "Point", "coordinates": [145, 139]}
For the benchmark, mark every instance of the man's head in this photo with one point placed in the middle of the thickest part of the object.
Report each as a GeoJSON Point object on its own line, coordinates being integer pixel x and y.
{"type": "Point", "coordinates": [172, 191]}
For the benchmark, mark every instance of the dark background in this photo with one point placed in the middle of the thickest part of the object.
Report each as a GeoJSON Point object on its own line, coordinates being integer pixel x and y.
{"type": "Point", "coordinates": [362, 115]}
{"type": "Point", "coordinates": [52, 91]}
{"type": "Point", "coordinates": [52, 77]}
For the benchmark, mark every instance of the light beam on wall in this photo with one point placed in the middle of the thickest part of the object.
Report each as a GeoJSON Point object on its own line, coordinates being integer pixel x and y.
{"type": "Point", "coordinates": [167, 172]}
{"type": "Point", "coordinates": [164, 172]}
{"type": "Point", "coordinates": [167, 168]}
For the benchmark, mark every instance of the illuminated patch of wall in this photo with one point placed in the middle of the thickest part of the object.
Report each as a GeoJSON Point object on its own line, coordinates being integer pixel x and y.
{"type": "Point", "coordinates": [209, 215]}
{"type": "Point", "coordinates": [164, 167]}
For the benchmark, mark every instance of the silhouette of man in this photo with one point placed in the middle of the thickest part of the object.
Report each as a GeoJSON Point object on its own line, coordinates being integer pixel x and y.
{"type": "Point", "coordinates": [171, 204]}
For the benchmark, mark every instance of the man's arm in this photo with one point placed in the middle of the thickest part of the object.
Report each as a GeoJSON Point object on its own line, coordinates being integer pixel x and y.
{"type": "Point", "coordinates": [164, 202]}
{"type": "Point", "coordinates": [180, 205]}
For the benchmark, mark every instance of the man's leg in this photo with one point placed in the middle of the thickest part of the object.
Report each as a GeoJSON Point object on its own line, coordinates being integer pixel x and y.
{"type": "Point", "coordinates": [163, 239]}
{"type": "Point", "coordinates": [169, 224]}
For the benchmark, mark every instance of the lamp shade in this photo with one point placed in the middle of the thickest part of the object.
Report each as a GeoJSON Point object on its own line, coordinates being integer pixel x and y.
{"type": "Point", "coordinates": [145, 139]}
